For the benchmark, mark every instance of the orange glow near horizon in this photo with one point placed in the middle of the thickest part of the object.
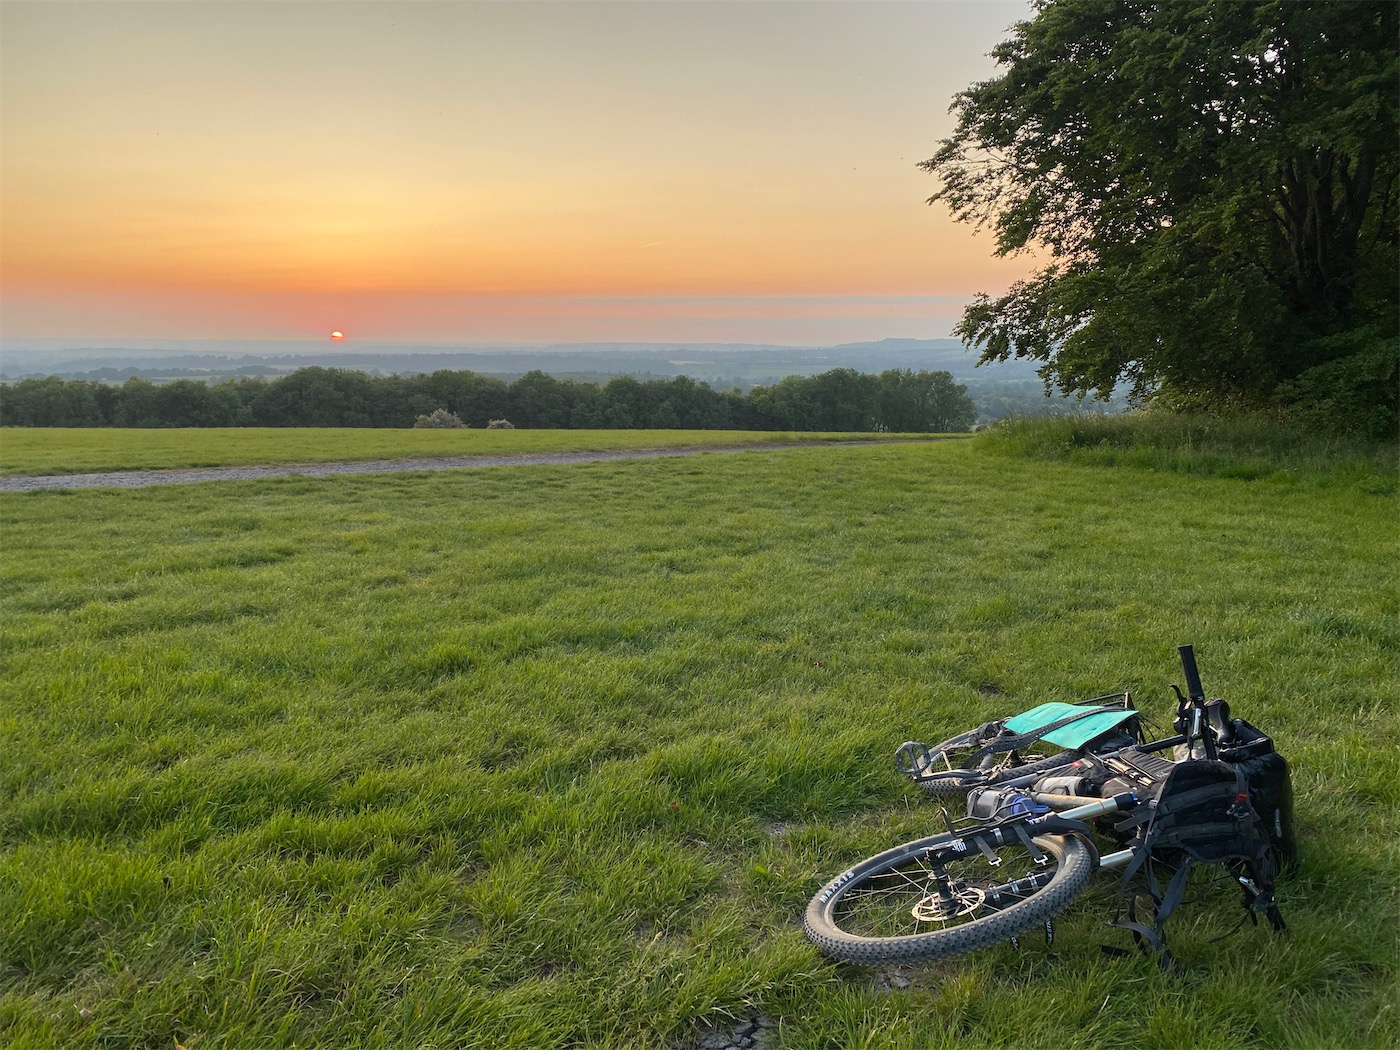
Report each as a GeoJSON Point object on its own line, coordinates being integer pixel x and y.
{"type": "Point", "coordinates": [739, 246]}
{"type": "Point", "coordinates": [469, 159]}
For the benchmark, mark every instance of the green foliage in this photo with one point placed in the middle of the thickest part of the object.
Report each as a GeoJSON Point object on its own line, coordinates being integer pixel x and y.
{"type": "Point", "coordinates": [1214, 184]}
{"type": "Point", "coordinates": [839, 400]}
{"type": "Point", "coordinates": [912, 402]}
{"type": "Point", "coordinates": [1357, 392]}
{"type": "Point", "coordinates": [55, 402]}
{"type": "Point", "coordinates": [286, 766]}
{"type": "Point", "coordinates": [440, 419]}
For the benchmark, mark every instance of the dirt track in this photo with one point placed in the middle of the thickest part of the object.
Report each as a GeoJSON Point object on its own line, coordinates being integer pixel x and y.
{"type": "Point", "coordinates": [141, 478]}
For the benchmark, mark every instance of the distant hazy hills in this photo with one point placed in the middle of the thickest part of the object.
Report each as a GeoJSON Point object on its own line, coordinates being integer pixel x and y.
{"type": "Point", "coordinates": [745, 363]}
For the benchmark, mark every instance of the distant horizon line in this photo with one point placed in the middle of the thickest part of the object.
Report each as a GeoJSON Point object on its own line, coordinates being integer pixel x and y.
{"type": "Point", "coordinates": [349, 345]}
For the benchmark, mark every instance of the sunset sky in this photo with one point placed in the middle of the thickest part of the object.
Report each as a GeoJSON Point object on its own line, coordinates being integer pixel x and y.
{"type": "Point", "coordinates": [486, 172]}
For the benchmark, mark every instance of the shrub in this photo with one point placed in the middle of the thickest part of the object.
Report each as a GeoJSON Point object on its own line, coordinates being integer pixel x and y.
{"type": "Point", "coordinates": [500, 424]}
{"type": "Point", "coordinates": [1239, 446]}
{"type": "Point", "coordinates": [1357, 394]}
{"type": "Point", "coordinates": [441, 419]}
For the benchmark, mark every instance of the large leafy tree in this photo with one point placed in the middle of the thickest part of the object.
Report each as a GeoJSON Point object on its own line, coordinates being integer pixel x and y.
{"type": "Point", "coordinates": [1212, 186]}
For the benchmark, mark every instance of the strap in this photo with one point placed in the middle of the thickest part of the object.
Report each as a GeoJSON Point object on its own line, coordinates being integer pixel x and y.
{"type": "Point", "coordinates": [1162, 902]}
{"type": "Point", "coordinates": [1156, 827]}
{"type": "Point", "coordinates": [1185, 799]}
{"type": "Point", "coordinates": [1029, 843]}
{"type": "Point", "coordinates": [1176, 890]}
{"type": "Point", "coordinates": [1165, 962]}
{"type": "Point", "coordinates": [1185, 836]}
{"type": "Point", "coordinates": [992, 859]}
{"type": "Point", "coordinates": [1259, 895]}
{"type": "Point", "coordinates": [1142, 934]}
{"type": "Point", "coordinates": [1147, 939]}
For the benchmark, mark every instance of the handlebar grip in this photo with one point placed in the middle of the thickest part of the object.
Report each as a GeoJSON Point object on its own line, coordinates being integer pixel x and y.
{"type": "Point", "coordinates": [1193, 677]}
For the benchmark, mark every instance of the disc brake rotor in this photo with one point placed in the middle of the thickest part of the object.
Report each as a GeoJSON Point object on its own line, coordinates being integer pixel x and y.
{"type": "Point", "coordinates": [944, 907]}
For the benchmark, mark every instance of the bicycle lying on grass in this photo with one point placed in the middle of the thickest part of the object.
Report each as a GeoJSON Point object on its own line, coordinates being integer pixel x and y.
{"type": "Point", "coordinates": [1030, 839]}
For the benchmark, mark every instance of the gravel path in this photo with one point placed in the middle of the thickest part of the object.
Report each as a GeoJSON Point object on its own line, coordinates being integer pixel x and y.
{"type": "Point", "coordinates": [130, 479]}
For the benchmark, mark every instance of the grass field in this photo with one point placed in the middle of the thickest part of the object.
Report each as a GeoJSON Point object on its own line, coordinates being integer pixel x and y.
{"type": "Point", "coordinates": [555, 756]}
{"type": "Point", "coordinates": [33, 450]}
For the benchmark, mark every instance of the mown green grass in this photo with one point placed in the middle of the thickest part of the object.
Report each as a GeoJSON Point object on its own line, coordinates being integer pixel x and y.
{"type": "Point", "coordinates": [58, 450]}
{"type": "Point", "coordinates": [555, 756]}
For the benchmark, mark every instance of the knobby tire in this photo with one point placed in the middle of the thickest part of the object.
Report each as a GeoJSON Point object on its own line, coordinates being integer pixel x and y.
{"type": "Point", "coordinates": [889, 880]}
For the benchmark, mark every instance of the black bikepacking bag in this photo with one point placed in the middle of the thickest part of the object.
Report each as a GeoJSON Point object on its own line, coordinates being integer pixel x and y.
{"type": "Point", "coordinates": [1251, 751]}
{"type": "Point", "coordinates": [1205, 809]}
{"type": "Point", "coordinates": [1193, 811]}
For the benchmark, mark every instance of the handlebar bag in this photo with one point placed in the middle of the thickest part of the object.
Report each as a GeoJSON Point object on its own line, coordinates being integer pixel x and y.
{"type": "Point", "coordinates": [1204, 809]}
{"type": "Point", "coordinates": [1251, 751]}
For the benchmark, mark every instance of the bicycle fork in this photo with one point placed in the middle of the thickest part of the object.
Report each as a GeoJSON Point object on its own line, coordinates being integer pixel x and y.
{"type": "Point", "coordinates": [950, 896]}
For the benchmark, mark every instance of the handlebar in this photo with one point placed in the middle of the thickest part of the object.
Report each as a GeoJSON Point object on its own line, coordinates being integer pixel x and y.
{"type": "Point", "coordinates": [1196, 726]}
{"type": "Point", "coordinates": [1193, 677]}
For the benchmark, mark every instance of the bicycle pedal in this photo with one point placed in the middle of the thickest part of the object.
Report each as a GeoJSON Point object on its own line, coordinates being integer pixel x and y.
{"type": "Point", "coordinates": [913, 759]}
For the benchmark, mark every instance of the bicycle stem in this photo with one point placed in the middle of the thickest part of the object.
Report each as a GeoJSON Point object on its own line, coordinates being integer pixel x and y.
{"type": "Point", "coordinates": [1193, 711]}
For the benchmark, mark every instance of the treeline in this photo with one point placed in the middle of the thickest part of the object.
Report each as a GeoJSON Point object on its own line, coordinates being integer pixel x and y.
{"type": "Point", "coordinates": [843, 399]}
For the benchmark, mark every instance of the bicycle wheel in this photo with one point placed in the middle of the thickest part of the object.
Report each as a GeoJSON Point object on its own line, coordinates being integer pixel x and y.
{"type": "Point", "coordinates": [918, 761]}
{"type": "Point", "coordinates": [942, 896]}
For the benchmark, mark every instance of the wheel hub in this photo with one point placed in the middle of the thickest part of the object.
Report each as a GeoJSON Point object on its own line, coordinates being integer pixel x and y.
{"type": "Point", "coordinates": [943, 907]}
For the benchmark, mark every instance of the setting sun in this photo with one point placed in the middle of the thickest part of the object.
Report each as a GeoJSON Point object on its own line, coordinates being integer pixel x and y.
{"type": "Point", "coordinates": [337, 336]}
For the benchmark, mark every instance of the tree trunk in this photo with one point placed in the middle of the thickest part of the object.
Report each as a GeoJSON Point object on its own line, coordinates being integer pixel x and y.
{"type": "Point", "coordinates": [1322, 202]}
